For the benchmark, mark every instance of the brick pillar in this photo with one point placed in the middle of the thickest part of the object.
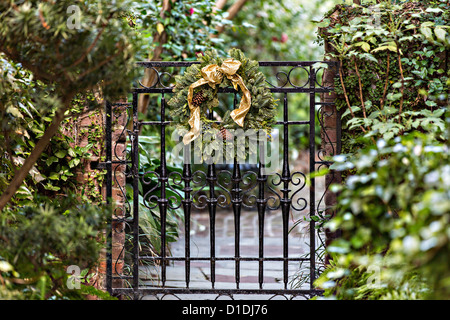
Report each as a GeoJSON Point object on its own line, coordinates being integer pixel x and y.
{"type": "Point", "coordinates": [119, 144]}
{"type": "Point", "coordinates": [330, 134]}
{"type": "Point", "coordinates": [89, 128]}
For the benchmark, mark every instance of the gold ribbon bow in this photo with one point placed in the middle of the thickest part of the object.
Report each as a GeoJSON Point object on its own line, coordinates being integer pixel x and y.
{"type": "Point", "coordinates": [213, 75]}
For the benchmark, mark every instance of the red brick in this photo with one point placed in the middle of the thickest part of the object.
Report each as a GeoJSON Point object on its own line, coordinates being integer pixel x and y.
{"type": "Point", "coordinates": [119, 179]}
{"type": "Point", "coordinates": [117, 168]}
{"type": "Point", "coordinates": [329, 135]}
{"type": "Point", "coordinates": [119, 135]}
{"type": "Point", "coordinates": [328, 150]}
{"type": "Point", "coordinates": [119, 209]}
{"type": "Point", "coordinates": [90, 118]}
{"type": "Point", "coordinates": [119, 151]}
{"type": "Point", "coordinates": [118, 194]}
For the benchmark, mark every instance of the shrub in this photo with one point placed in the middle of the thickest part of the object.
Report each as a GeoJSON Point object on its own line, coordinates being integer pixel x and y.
{"type": "Point", "coordinates": [394, 217]}
{"type": "Point", "coordinates": [38, 243]}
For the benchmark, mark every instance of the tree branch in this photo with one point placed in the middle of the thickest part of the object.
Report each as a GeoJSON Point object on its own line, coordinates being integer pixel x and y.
{"type": "Point", "coordinates": [403, 81]}
{"type": "Point", "coordinates": [91, 47]}
{"type": "Point", "coordinates": [232, 12]}
{"type": "Point", "coordinates": [40, 146]}
{"type": "Point", "coordinates": [219, 5]}
{"type": "Point", "coordinates": [386, 82]}
{"type": "Point", "coordinates": [149, 74]}
{"type": "Point", "coordinates": [99, 65]}
{"type": "Point", "coordinates": [346, 95]}
{"type": "Point", "coordinates": [360, 91]}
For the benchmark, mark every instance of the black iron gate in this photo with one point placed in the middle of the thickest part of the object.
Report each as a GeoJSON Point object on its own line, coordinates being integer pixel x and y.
{"type": "Point", "coordinates": [214, 189]}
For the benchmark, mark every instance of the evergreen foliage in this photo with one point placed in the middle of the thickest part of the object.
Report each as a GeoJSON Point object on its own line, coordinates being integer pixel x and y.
{"type": "Point", "coordinates": [393, 207]}
{"type": "Point", "coordinates": [261, 116]}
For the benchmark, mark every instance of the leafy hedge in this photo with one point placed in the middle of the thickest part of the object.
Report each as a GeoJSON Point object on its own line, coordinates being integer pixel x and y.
{"type": "Point", "coordinates": [393, 207]}
{"type": "Point", "coordinates": [394, 67]}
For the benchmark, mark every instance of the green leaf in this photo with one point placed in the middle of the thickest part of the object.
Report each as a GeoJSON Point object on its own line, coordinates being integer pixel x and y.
{"type": "Point", "coordinates": [61, 153]}
{"type": "Point", "coordinates": [394, 97]}
{"type": "Point", "coordinates": [441, 34]}
{"type": "Point", "coordinates": [14, 111]}
{"type": "Point", "coordinates": [53, 176]}
{"type": "Point", "coordinates": [248, 25]}
{"type": "Point", "coordinates": [318, 65]}
{"type": "Point", "coordinates": [323, 24]}
{"type": "Point", "coordinates": [397, 85]}
{"type": "Point", "coordinates": [72, 152]}
{"type": "Point", "coordinates": [50, 160]}
{"type": "Point", "coordinates": [368, 56]}
{"type": "Point", "coordinates": [427, 32]}
{"type": "Point", "coordinates": [427, 24]}
{"type": "Point", "coordinates": [433, 10]}
{"type": "Point", "coordinates": [74, 162]}
{"type": "Point", "coordinates": [51, 187]}
{"type": "Point", "coordinates": [384, 48]}
{"type": "Point", "coordinates": [364, 45]}
{"type": "Point", "coordinates": [347, 111]}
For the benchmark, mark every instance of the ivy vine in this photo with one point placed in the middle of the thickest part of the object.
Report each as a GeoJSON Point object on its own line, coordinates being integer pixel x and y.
{"type": "Point", "coordinates": [394, 75]}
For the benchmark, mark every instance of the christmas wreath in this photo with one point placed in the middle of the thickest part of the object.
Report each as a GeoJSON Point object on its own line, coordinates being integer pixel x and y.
{"type": "Point", "coordinates": [195, 99]}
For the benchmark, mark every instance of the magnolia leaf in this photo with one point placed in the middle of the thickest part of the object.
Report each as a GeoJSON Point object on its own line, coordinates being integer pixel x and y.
{"type": "Point", "coordinates": [14, 111]}
{"type": "Point", "coordinates": [426, 32]}
{"type": "Point", "coordinates": [433, 10]}
{"type": "Point", "coordinates": [441, 34]}
{"type": "Point", "coordinates": [427, 24]}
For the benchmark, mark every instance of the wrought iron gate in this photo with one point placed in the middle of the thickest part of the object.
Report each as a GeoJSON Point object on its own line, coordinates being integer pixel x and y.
{"type": "Point", "coordinates": [212, 190]}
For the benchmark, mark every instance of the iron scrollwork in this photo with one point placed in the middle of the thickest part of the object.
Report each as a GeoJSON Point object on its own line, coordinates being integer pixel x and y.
{"type": "Point", "coordinates": [213, 189]}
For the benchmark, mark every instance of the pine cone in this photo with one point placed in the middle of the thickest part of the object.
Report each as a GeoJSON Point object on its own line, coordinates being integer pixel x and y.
{"type": "Point", "coordinates": [224, 134]}
{"type": "Point", "coordinates": [198, 99]}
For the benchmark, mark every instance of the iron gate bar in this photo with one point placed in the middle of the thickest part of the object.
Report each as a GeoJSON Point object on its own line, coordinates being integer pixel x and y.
{"type": "Point", "coordinates": [150, 64]}
{"type": "Point", "coordinates": [225, 258]}
{"type": "Point", "coordinates": [236, 201]}
{"type": "Point", "coordinates": [157, 123]}
{"type": "Point", "coordinates": [231, 90]}
{"type": "Point", "coordinates": [187, 204]}
{"type": "Point", "coordinates": [312, 168]}
{"type": "Point", "coordinates": [135, 175]}
{"type": "Point", "coordinates": [174, 291]}
{"type": "Point", "coordinates": [211, 180]}
{"type": "Point", "coordinates": [261, 204]}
